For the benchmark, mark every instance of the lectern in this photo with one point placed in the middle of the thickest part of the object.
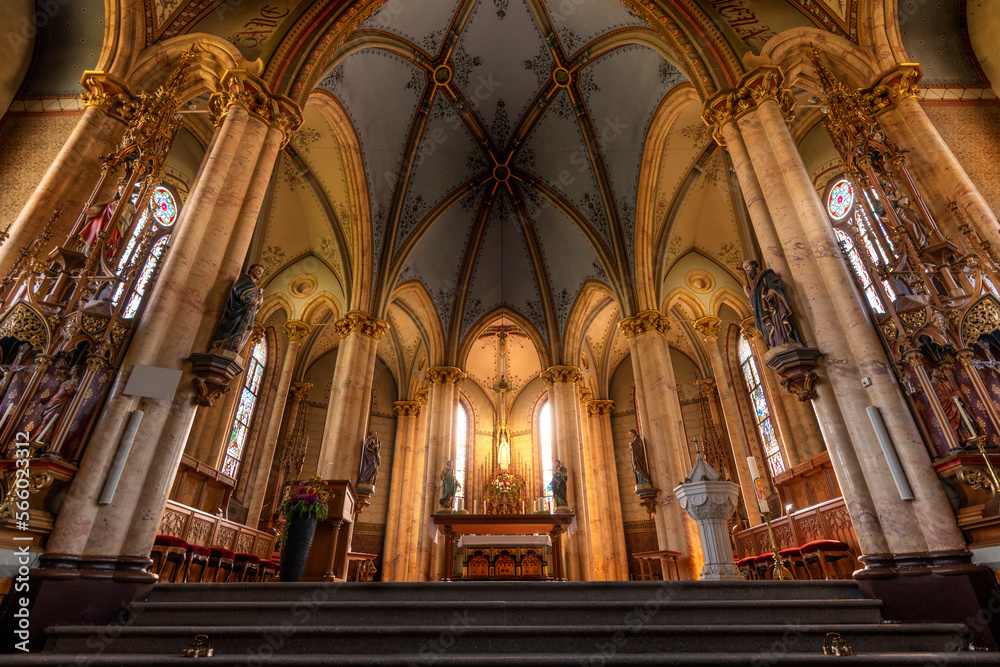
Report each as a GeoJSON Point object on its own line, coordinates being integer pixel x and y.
{"type": "Point", "coordinates": [328, 556]}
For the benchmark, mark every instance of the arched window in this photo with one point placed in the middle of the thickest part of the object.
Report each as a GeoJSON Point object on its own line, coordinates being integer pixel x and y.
{"type": "Point", "coordinates": [762, 414]}
{"type": "Point", "coordinates": [860, 271]}
{"type": "Point", "coordinates": [461, 447]}
{"type": "Point", "coordinates": [245, 410]}
{"type": "Point", "coordinates": [545, 436]}
{"type": "Point", "coordinates": [157, 220]}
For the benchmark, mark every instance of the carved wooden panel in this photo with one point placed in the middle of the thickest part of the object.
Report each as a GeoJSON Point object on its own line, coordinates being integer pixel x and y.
{"type": "Point", "coordinates": [172, 523]}
{"type": "Point", "coordinates": [225, 537]}
{"type": "Point", "coordinates": [244, 543]}
{"type": "Point", "coordinates": [479, 565]}
{"type": "Point", "coordinates": [531, 565]}
{"type": "Point", "coordinates": [505, 566]}
{"type": "Point", "coordinates": [200, 531]}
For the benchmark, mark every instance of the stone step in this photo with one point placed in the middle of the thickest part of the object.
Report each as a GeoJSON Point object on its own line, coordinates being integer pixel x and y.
{"type": "Point", "coordinates": [479, 613]}
{"type": "Point", "coordinates": [514, 641]}
{"type": "Point", "coordinates": [511, 591]}
{"type": "Point", "coordinates": [813, 658]}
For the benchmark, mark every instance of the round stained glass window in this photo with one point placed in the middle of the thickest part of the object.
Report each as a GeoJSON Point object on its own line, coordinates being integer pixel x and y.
{"type": "Point", "coordinates": [841, 199]}
{"type": "Point", "coordinates": [164, 206]}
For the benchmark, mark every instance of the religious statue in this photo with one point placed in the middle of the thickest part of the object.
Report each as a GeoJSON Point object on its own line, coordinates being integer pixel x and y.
{"type": "Point", "coordinates": [54, 406]}
{"type": "Point", "coordinates": [951, 402]}
{"type": "Point", "coordinates": [449, 486]}
{"type": "Point", "coordinates": [639, 465]}
{"type": "Point", "coordinates": [771, 314]}
{"type": "Point", "coordinates": [370, 459]}
{"type": "Point", "coordinates": [560, 477]}
{"type": "Point", "coordinates": [901, 205]}
{"type": "Point", "coordinates": [99, 216]}
{"type": "Point", "coordinates": [245, 299]}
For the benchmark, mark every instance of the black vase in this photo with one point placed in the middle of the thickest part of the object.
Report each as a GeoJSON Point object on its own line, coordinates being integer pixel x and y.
{"type": "Point", "coordinates": [299, 533]}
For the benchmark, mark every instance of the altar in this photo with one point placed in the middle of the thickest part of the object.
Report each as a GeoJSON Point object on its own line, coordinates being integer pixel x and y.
{"type": "Point", "coordinates": [505, 546]}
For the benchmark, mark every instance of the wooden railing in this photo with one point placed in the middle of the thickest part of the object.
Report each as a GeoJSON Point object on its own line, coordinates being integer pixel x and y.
{"type": "Point", "coordinates": [825, 521]}
{"type": "Point", "coordinates": [207, 530]}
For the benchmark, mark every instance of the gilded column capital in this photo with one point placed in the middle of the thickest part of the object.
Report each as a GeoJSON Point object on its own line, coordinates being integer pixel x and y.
{"type": "Point", "coordinates": [600, 407]}
{"type": "Point", "coordinates": [355, 321]}
{"type": "Point", "coordinates": [644, 322]}
{"type": "Point", "coordinates": [709, 326]}
{"type": "Point", "coordinates": [706, 386]}
{"type": "Point", "coordinates": [444, 375]}
{"type": "Point", "coordinates": [421, 395]}
{"type": "Point", "coordinates": [749, 329]}
{"type": "Point", "coordinates": [554, 374]}
{"type": "Point", "coordinates": [585, 395]}
{"type": "Point", "coordinates": [300, 390]}
{"type": "Point", "coordinates": [255, 335]}
{"type": "Point", "coordinates": [407, 408]}
{"type": "Point", "coordinates": [246, 89]}
{"type": "Point", "coordinates": [762, 84]}
{"type": "Point", "coordinates": [108, 93]}
{"type": "Point", "coordinates": [296, 330]}
{"type": "Point", "coordinates": [892, 87]}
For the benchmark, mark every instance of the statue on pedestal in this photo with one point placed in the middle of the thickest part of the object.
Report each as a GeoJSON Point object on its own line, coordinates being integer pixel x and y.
{"type": "Point", "coordinates": [639, 465]}
{"type": "Point", "coordinates": [54, 406]}
{"type": "Point", "coordinates": [771, 314]}
{"type": "Point", "coordinates": [560, 477]}
{"type": "Point", "coordinates": [449, 486]}
{"type": "Point", "coordinates": [245, 299]}
{"type": "Point", "coordinates": [370, 459]}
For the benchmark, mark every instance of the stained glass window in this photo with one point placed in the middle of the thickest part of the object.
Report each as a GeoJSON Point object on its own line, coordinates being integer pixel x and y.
{"type": "Point", "coordinates": [545, 433]}
{"type": "Point", "coordinates": [841, 199]}
{"type": "Point", "coordinates": [147, 272]}
{"type": "Point", "coordinates": [164, 207]}
{"type": "Point", "coordinates": [164, 212]}
{"type": "Point", "coordinates": [762, 414]}
{"type": "Point", "coordinates": [461, 447]}
{"type": "Point", "coordinates": [244, 412]}
{"type": "Point", "coordinates": [860, 271]}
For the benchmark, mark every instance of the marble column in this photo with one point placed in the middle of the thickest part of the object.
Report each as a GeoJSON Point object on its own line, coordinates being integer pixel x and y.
{"type": "Point", "coordinates": [662, 424]}
{"type": "Point", "coordinates": [295, 331]}
{"type": "Point", "coordinates": [69, 180]}
{"type": "Point", "coordinates": [400, 496]}
{"type": "Point", "coordinates": [595, 491]}
{"type": "Point", "coordinates": [603, 447]}
{"type": "Point", "coordinates": [421, 495]}
{"type": "Point", "coordinates": [442, 404]}
{"type": "Point", "coordinates": [738, 437]}
{"type": "Point", "coordinates": [564, 397]}
{"type": "Point", "coordinates": [350, 396]}
{"type": "Point", "coordinates": [833, 423]}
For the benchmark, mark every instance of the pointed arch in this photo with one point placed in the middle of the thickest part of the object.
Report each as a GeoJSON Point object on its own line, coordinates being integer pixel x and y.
{"type": "Point", "coordinates": [413, 299]}
{"type": "Point", "coordinates": [730, 297]}
{"type": "Point", "coordinates": [594, 296]}
{"type": "Point", "coordinates": [791, 49]}
{"type": "Point", "coordinates": [465, 347]}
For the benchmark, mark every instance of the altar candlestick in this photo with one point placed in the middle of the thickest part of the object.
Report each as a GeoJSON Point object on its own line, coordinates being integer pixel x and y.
{"type": "Point", "coordinates": [758, 484]}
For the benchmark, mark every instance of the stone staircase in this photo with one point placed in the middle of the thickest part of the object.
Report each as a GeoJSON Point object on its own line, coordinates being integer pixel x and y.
{"type": "Point", "coordinates": [649, 623]}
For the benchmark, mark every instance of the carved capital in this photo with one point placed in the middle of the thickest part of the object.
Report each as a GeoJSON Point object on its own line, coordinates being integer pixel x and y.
{"type": "Point", "coordinates": [421, 395]}
{"type": "Point", "coordinates": [296, 330]}
{"type": "Point", "coordinates": [554, 374]}
{"type": "Point", "coordinates": [644, 322]}
{"type": "Point", "coordinates": [600, 407]}
{"type": "Point", "coordinates": [892, 87]}
{"type": "Point", "coordinates": [585, 395]}
{"type": "Point", "coordinates": [356, 321]}
{"type": "Point", "coordinates": [300, 390]}
{"type": "Point", "coordinates": [109, 94]}
{"type": "Point", "coordinates": [706, 386]}
{"type": "Point", "coordinates": [444, 374]}
{"type": "Point", "coordinates": [246, 89]}
{"type": "Point", "coordinates": [407, 408]}
{"type": "Point", "coordinates": [749, 329]}
{"type": "Point", "coordinates": [709, 326]}
{"type": "Point", "coordinates": [760, 85]}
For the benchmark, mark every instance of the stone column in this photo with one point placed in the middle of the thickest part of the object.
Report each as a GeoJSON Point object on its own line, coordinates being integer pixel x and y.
{"type": "Point", "coordinates": [603, 447]}
{"type": "Point", "coordinates": [295, 330]}
{"type": "Point", "coordinates": [738, 436]}
{"type": "Point", "coordinates": [662, 423]}
{"type": "Point", "coordinates": [565, 401]}
{"type": "Point", "coordinates": [442, 403]}
{"type": "Point", "coordinates": [419, 491]}
{"type": "Point", "coordinates": [350, 396]}
{"type": "Point", "coordinates": [68, 181]}
{"type": "Point", "coordinates": [595, 490]}
{"type": "Point", "coordinates": [400, 496]}
{"type": "Point", "coordinates": [720, 111]}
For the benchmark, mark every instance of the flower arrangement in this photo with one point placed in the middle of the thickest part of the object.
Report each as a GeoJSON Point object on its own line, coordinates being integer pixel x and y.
{"type": "Point", "coordinates": [308, 502]}
{"type": "Point", "coordinates": [505, 483]}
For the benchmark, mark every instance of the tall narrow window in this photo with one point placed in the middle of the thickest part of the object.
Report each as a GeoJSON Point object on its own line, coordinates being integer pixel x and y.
{"type": "Point", "coordinates": [860, 271]}
{"type": "Point", "coordinates": [545, 433]}
{"type": "Point", "coordinates": [157, 221]}
{"type": "Point", "coordinates": [461, 447]}
{"type": "Point", "coordinates": [762, 415]}
{"type": "Point", "coordinates": [245, 410]}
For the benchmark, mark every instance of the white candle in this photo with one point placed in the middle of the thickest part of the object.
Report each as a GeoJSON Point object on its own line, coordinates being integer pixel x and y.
{"type": "Point", "coordinates": [758, 484]}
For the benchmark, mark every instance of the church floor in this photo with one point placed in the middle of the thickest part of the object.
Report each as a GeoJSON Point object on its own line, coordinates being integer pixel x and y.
{"type": "Point", "coordinates": [504, 623]}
